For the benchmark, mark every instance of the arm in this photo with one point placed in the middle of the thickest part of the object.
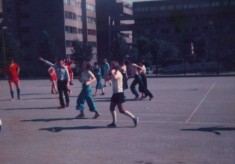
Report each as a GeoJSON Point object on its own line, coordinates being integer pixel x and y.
{"type": "Point", "coordinates": [46, 62]}
{"type": "Point", "coordinates": [135, 65]}
{"type": "Point", "coordinates": [18, 69]}
{"type": "Point", "coordinates": [93, 79]}
{"type": "Point", "coordinates": [68, 77]}
{"type": "Point", "coordinates": [114, 74]}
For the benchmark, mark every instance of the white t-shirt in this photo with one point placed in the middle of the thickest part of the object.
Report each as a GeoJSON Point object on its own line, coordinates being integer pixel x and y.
{"type": "Point", "coordinates": [86, 76]}
{"type": "Point", "coordinates": [117, 83]}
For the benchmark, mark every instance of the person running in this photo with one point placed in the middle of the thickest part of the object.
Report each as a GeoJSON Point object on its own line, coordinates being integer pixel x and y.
{"type": "Point", "coordinates": [53, 79]}
{"type": "Point", "coordinates": [13, 70]}
{"type": "Point", "coordinates": [86, 78]}
{"type": "Point", "coordinates": [137, 80]}
{"type": "Point", "coordinates": [117, 98]}
{"type": "Point", "coordinates": [99, 85]}
{"type": "Point", "coordinates": [106, 68]}
{"type": "Point", "coordinates": [62, 81]}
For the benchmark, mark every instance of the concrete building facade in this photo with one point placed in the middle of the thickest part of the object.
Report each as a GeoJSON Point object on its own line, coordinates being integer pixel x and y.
{"type": "Point", "coordinates": [182, 21]}
{"type": "Point", "coordinates": [112, 20]}
{"type": "Point", "coordinates": [62, 21]}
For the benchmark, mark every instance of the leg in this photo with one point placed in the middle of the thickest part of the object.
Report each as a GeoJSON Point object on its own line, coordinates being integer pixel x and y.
{"type": "Point", "coordinates": [102, 89]}
{"type": "Point", "coordinates": [65, 90]}
{"type": "Point", "coordinates": [133, 89]}
{"type": "Point", "coordinates": [11, 85]}
{"type": "Point", "coordinates": [54, 86]}
{"type": "Point", "coordinates": [95, 92]}
{"type": "Point", "coordinates": [80, 103]}
{"type": "Point", "coordinates": [60, 90]}
{"type": "Point", "coordinates": [90, 102]}
{"type": "Point", "coordinates": [17, 83]}
{"type": "Point", "coordinates": [114, 115]}
{"type": "Point", "coordinates": [127, 113]}
{"type": "Point", "coordinates": [143, 86]}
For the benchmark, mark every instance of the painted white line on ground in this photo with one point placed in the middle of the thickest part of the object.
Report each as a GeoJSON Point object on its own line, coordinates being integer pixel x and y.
{"type": "Point", "coordinates": [202, 100]}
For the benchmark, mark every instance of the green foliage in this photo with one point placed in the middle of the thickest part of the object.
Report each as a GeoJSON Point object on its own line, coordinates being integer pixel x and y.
{"type": "Point", "coordinates": [81, 52]}
{"type": "Point", "coordinates": [12, 48]}
{"type": "Point", "coordinates": [119, 48]}
{"type": "Point", "coordinates": [163, 52]}
{"type": "Point", "coordinates": [143, 45]}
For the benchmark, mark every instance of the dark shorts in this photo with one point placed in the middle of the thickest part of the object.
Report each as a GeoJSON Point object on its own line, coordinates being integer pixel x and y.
{"type": "Point", "coordinates": [118, 98]}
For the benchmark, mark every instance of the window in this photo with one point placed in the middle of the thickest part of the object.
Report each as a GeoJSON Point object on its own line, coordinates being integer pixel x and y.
{"type": "Point", "coordinates": [70, 29]}
{"type": "Point", "coordinates": [91, 20]}
{"type": "Point", "coordinates": [90, 7]}
{"type": "Point", "coordinates": [70, 15]}
{"type": "Point", "coordinates": [91, 32]}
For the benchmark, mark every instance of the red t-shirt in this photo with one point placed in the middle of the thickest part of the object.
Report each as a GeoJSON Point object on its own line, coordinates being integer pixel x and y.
{"type": "Point", "coordinates": [12, 72]}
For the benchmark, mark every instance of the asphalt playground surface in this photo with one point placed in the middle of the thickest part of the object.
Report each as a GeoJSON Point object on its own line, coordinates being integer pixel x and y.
{"type": "Point", "coordinates": [189, 121]}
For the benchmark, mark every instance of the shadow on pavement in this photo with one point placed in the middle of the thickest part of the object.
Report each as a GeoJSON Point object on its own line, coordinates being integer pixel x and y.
{"type": "Point", "coordinates": [31, 108]}
{"type": "Point", "coordinates": [59, 129]}
{"type": "Point", "coordinates": [48, 119]}
{"type": "Point", "coordinates": [214, 130]}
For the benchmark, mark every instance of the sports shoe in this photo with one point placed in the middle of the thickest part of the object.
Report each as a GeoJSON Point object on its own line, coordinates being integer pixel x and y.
{"type": "Point", "coordinates": [102, 93]}
{"type": "Point", "coordinates": [136, 121]}
{"type": "Point", "coordinates": [61, 107]}
{"type": "Point", "coordinates": [81, 115]}
{"type": "Point", "coordinates": [136, 98]}
{"type": "Point", "coordinates": [112, 125]}
{"type": "Point", "coordinates": [96, 115]}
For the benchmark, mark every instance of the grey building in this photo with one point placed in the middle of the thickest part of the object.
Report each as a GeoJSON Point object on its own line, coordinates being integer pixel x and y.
{"type": "Point", "coordinates": [114, 17]}
{"type": "Point", "coordinates": [57, 22]}
{"type": "Point", "coordinates": [184, 22]}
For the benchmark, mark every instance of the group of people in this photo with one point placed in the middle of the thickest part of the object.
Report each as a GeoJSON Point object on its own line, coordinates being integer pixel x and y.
{"type": "Point", "coordinates": [53, 76]}
{"type": "Point", "coordinates": [116, 75]}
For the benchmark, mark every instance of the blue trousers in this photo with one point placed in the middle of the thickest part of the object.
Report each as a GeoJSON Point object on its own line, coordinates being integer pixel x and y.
{"type": "Point", "coordinates": [85, 95]}
{"type": "Point", "coordinates": [138, 80]}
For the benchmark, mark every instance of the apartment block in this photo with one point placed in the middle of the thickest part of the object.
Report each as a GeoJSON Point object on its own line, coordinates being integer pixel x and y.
{"type": "Point", "coordinates": [63, 21]}
{"type": "Point", "coordinates": [114, 17]}
{"type": "Point", "coordinates": [182, 21]}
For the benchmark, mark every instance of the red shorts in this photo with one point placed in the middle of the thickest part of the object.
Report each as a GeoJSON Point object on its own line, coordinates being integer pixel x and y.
{"type": "Point", "coordinates": [14, 80]}
{"type": "Point", "coordinates": [53, 77]}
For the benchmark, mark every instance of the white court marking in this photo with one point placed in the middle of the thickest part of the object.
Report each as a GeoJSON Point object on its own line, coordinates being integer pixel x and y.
{"type": "Point", "coordinates": [200, 103]}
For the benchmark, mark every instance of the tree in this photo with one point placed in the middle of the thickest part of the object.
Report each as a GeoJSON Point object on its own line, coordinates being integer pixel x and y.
{"type": "Point", "coordinates": [119, 48]}
{"type": "Point", "coordinates": [164, 53]}
{"type": "Point", "coordinates": [143, 45]}
{"type": "Point", "coordinates": [12, 48]}
{"type": "Point", "coordinates": [81, 52]}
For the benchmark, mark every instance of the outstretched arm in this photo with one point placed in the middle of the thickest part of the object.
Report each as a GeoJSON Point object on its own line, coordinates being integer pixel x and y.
{"type": "Point", "coordinates": [46, 62]}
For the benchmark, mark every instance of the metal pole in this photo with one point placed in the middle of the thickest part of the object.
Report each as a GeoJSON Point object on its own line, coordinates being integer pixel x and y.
{"type": "Point", "coordinates": [3, 44]}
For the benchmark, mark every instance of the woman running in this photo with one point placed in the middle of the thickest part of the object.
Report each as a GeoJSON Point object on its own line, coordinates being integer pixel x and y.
{"type": "Point", "coordinates": [117, 98]}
